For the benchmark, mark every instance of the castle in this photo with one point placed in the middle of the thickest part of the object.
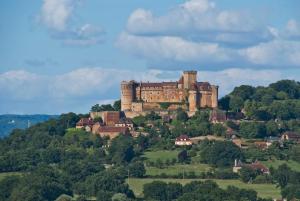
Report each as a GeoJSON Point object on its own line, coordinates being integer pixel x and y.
{"type": "Point", "coordinates": [186, 93]}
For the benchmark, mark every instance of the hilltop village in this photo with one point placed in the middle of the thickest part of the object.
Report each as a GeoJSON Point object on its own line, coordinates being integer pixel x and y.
{"type": "Point", "coordinates": [167, 141]}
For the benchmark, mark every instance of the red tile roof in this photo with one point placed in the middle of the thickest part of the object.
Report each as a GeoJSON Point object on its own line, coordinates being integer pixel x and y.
{"type": "Point", "coordinates": [108, 129]}
{"type": "Point", "coordinates": [258, 166]}
{"type": "Point", "coordinates": [183, 138]}
{"type": "Point", "coordinates": [85, 122]}
{"type": "Point", "coordinates": [292, 135]}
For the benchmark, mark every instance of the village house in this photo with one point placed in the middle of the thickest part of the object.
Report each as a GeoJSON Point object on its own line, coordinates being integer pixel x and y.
{"type": "Point", "coordinates": [125, 122]}
{"type": "Point", "coordinates": [261, 145]}
{"type": "Point", "coordinates": [112, 126]}
{"type": "Point", "coordinates": [183, 140]}
{"type": "Point", "coordinates": [257, 166]}
{"type": "Point", "coordinates": [85, 123]}
{"type": "Point", "coordinates": [112, 131]}
{"type": "Point", "coordinates": [217, 116]}
{"type": "Point", "coordinates": [291, 136]}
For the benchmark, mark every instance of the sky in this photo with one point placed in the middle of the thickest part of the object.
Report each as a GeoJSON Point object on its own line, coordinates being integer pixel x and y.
{"type": "Point", "coordinates": [59, 56]}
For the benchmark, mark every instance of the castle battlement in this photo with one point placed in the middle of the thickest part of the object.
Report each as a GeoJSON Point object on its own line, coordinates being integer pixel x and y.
{"type": "Point", "coordinates": [186, 93]}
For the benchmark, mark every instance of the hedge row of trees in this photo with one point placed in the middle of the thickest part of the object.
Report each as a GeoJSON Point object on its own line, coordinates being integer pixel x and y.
{"type": "Point", "coordinates": [278, 100]}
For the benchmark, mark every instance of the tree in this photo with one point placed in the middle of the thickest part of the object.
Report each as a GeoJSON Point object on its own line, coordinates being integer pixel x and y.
{"type": "Point", "coordinates": [117, 105]}
{"type": "Point", "coordinates": [139, 120]}
{"type": "Point", "coordinates": [182, 156]}
{"type": "Point", "coordinates": [100, 108]}
{"type": "Point", "coordinates": [174, 190]}
{"type": "Point", "coordinates": [121, 149]}
{"type": "Point", "coordinates": [220, 153]}
{"type": "Point", "coordinates": [181, 115]}
{"type": "Point", "coordinates": [7, 185]}
{"type": "Point", "coordinates": [137, 169]}
{"type": "Point", "coordinates": [224, 103]}
{"type": "Point", "coordinates": [156, 190]}
{"type": "Point", "coordinates": [271, 128]}
{"type": "Point", "coordinates": [247, 174]}
{"type": "Point", "coordinates": [243, 91]}
{"type": "Point", "coordinates": [218, 129]}
{"type": "Point", "coordinates": [236, 103]}
{"type": "Point", "coordinates": [291, 192]}
{"type": "Point", "coordinates": [45, 183]}
{"type": "Point", "coordinates": [252, 130]}
{"type": "Point", "coordinates": [282, 175]}
{"type": "Point", "coordinates": [290, 87]}
{"type": "Point", "coordinates": [104, 195]}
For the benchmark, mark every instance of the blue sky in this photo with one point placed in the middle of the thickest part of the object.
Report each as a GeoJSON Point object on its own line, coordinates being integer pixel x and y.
{"type": "Point", "coordinates": [66, 55]}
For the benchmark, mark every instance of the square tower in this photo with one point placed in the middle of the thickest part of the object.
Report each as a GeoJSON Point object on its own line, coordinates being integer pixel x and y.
{"type": "Point", "coordinates": [189, 78]}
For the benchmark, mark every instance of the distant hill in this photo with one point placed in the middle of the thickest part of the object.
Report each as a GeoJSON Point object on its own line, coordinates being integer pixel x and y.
{"type": "Point", "coordinates": [8, 122]}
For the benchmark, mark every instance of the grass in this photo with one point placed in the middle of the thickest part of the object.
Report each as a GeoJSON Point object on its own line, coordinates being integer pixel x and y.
{"type": "Point", "coordinates": [177, 169]}
{"type": "Point", "coordinates": [275, 163]}
{"type": "Point", "coordinates": [163, 155]}
{"type": "Point", "coordinates": [6, 174]}
{"type": "Point", "coordinates": [263, 190]}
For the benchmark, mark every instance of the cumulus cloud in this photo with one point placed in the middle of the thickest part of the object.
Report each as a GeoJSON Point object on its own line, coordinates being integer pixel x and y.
{"type": "Point", "coordinates": [274, 53]}
{"type": "Point", "coordinates": [77, 90]}
{"type": "Point", "coordinates": [208, 36]}
{"type": "Point", "coordinates": [199, 20]}
{"type": "Point", "coordinates": [175, 48]}
{"type": "Point", "coordinates": [57, 15]}
{"type": "Point", "coordinates": [229, 78]}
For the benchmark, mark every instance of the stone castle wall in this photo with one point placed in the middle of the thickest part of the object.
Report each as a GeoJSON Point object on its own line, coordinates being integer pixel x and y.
{"type": "Point", "coordinates": [139, 97]}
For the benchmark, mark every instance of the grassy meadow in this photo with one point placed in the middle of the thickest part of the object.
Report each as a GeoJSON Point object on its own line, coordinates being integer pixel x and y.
{"type": "Point", "coordinates": [263, 190]}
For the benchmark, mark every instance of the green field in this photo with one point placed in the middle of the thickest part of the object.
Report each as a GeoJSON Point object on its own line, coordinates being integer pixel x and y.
{"type": "Point", "coordinates": [275, 163]}
{"type": "Point", "coordinates": [163, 155]}
{"type": "Point", "coordinates": [6, 174]}
{"type": "Point", "coordinates": [263, 190]}
{"type": "Point", "coordinates": [178, 169]}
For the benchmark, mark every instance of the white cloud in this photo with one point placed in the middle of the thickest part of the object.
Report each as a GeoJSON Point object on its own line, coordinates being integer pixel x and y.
{"type": "Point", "coordinates": [211, 37]}
{"type": "Point", "coordinates": [198, 19]}
{"type": "Point", "coordinates": [230, 78]}
{"type": "Point", "coordinates": [198, 6]}
{"type": "Point", "coordinates": [275, 53]}
{"type": "Point", "coordinates": [55, 14]}
{"type": "Point", "coordinates": [20, 85]}
{"type": "Point", "coordinates": [174, 48]}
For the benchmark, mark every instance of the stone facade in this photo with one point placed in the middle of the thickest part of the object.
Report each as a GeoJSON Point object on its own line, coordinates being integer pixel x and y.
{"type": "Point", "coordinates": [187, 93]}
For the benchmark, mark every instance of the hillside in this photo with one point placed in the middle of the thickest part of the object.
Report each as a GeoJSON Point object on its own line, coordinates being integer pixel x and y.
{"type": "Point", "coordinates": [61, 159]}
{"type": "Point", "coordinates": [8, 122]}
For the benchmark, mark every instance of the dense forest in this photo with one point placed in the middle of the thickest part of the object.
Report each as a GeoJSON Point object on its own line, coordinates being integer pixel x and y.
{"type": "Point", "coordinates": [54, 161]}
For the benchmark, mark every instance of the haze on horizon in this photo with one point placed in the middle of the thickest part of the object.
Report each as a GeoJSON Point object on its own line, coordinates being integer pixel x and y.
{"type": "Point", "coordinates": [65, 55]}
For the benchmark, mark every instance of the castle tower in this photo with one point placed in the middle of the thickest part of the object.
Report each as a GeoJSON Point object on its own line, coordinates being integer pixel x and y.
{"type": "Point", "coordinates": [127, 95]}
{"type": "Point", "coordinates": [189, 78]}
{"type": "Point", "coordinates": [193, 99]}
{"type": "Point", "coordinates": [214, 96]}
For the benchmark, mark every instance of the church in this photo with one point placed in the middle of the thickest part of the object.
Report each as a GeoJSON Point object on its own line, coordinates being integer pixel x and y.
{"type": "Point", "coordinates": [186, 93]}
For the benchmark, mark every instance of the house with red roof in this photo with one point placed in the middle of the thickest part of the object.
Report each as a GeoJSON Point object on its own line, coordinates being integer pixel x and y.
{"type": "Point", "coordinates": [183, 140]}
